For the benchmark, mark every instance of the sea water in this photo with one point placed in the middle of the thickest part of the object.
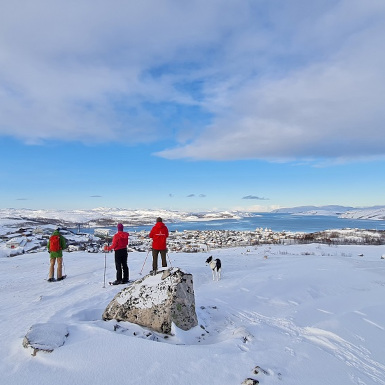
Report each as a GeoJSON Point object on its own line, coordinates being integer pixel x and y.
{"type": "Point", "coordinates": [273, 221]}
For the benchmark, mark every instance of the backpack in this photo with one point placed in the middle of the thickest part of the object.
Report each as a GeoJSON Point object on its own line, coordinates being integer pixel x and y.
{"type": "Point", "coordinates": [54, 243]}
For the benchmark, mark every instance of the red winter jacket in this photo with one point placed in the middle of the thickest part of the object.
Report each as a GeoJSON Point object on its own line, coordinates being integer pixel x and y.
{"type": "Point", "coordinates": [159, 234]}
{"type": "Point", "coordinates": [119, 241]}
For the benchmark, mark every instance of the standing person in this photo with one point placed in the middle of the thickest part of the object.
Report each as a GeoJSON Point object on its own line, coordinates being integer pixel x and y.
{"type": "Point", "coordinates": [119, 244]}
{"type": "Point", "coordinates": [159, 234]}
{"type": "Point", "coordinates": [56, 244]}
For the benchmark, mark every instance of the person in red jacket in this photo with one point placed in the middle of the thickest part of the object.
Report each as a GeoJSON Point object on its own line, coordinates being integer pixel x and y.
{"type": "Point", "coordinates": [119, 244]}
{"type": "Point", "coordinates": [159, 234]}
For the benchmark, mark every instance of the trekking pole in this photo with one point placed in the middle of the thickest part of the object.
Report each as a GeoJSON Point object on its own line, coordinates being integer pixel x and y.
{"type": "Point", "coordinates": [144, 262]}
{"type": "Point", "coordinates": [105, 265]}
{"type": "Point", "coordinates": [169, 260]}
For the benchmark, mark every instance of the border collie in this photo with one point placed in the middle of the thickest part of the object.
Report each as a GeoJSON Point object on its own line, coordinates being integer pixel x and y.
{"type": "Point", "coordinates": [216, 267]}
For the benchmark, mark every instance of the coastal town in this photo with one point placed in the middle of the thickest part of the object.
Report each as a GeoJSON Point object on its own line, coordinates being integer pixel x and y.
{"type": "Point", "coordinates": [27, 231]}
{"type": "Point", "coordinates": [29, 239]}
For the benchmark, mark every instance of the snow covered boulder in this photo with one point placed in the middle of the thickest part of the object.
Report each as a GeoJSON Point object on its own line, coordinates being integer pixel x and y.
{"type": "Point", "coordinates": [45, 337]}
{"type": "Point", "coordinates": [156, 302]}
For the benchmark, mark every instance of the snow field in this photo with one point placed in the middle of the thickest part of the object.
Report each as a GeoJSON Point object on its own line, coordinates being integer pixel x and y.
{"type": "Point", "coordinates": [308, 314]}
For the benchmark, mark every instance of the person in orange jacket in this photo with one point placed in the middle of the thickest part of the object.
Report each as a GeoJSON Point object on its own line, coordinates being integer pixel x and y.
{"type": "Point", "coordinates": [159, 234]}
{"type": "Point", "coordinates": [119, 244]}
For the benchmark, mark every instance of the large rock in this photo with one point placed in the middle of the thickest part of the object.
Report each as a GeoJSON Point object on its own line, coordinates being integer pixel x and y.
{"type": "Point", "coordinates": [156, 302]}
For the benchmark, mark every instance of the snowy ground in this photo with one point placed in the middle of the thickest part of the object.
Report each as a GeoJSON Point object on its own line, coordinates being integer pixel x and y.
{"type": "Point", "coordinates": [308, 314]}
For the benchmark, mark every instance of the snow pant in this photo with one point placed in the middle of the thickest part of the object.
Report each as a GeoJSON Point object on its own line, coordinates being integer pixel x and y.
{"type": "Point", "coordinates": [121, 265]}
{"type": "Point", "coordinates": [155, 253]}
{"type": "Point", "coordinates": [52, 261]}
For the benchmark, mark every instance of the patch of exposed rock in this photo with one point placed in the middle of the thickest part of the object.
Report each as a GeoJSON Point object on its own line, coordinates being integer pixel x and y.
{"type": "Point", "coordinates": [156, 302]}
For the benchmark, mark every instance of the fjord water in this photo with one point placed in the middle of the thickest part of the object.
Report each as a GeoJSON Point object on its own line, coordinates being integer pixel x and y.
{"type": "Point", "coordinates": [282, 222]}
{"type": "Point", "coordinates": [273, 221]}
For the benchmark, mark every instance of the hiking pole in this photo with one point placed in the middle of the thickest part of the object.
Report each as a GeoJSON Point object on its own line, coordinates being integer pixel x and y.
{"type": "Point", "coordinates": [105, 265]}
{"type": "Point", "coordinates": [144, 262]}
{"type": "Point", "coordinates": [169, 260]}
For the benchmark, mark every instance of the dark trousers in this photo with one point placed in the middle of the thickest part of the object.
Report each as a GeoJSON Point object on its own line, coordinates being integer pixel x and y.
{"type": "Point", "coordinates": [121, 265]}
{"type": "Point", "coordinates": [155, 253]}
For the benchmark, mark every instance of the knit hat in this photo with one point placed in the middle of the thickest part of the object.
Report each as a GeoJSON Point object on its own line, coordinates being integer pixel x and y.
{"type": "Point", "coordinates": [120, 227]}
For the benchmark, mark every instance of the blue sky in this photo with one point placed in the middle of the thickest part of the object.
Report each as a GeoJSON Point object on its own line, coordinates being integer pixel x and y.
{"type": "Point", "coordinates": [192, 105]}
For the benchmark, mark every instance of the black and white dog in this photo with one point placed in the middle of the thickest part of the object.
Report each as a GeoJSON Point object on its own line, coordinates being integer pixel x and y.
{"type": "Point", "coordinates": [216, 267]}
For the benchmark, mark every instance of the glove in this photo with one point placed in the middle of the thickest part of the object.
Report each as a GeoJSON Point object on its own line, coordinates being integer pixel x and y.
{"type": "Point", "coordinates": [105, 248]}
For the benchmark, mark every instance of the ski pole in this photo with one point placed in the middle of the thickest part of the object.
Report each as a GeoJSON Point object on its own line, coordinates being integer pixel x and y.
{"type": "Point", "coordinates": [105, 264]}
{"type": "Point", "coordinates": [144, 262]}
{"type": "Point", "coordinates": [169, 260]}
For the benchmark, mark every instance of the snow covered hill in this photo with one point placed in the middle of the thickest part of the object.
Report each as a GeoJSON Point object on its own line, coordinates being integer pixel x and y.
{"type": "Point", "coordinates": [307, 314]}
{"type": "Point", "coordinates": [373, 213]}
{"type": "Point", "coordinates": [103, 216]}
{"type": "Point", "coordinates": [315, 210]}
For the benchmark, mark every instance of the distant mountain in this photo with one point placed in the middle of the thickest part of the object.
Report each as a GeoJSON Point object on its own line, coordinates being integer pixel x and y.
{"type": "Point", "coordinates": [315, 210]}
{"type": "Point", "coordinates": [103, 216]}
{"type": "Point", "coordinates": [373, 213]}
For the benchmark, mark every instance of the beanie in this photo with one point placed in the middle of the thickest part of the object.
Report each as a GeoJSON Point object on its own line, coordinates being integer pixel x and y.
{"type": "Point", "coordinates": [159, 219]}
{"type": "Point", "coordinates": [120, 227]}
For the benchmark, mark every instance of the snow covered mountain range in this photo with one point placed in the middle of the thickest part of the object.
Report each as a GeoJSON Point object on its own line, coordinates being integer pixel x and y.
{"type": "Point", "coordinates": [373, 213]}
{"type": "Point", "coordinates": [103, 216]}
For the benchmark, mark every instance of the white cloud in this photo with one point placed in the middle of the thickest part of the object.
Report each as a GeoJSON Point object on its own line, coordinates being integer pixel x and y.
{"type": "Point", "coordinates": [325, 111]}
{"type": "Point", "coordinates": [77, 70]}
{"type": "Point", "coordinates": [280, 80]}
{"type": "Point", "coordinates": [331, 107]}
